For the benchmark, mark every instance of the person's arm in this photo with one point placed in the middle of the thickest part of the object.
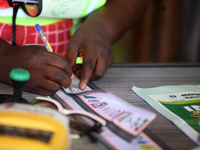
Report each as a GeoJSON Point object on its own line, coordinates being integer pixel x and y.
{"type": "Point", "coordinates": [48, 71]}
{"type": "Point", "coordinates": [93, 39]}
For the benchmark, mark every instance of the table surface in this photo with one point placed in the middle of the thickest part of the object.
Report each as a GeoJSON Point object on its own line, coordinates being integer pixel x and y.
{"type": "Point", "coordinates": [119, 80]}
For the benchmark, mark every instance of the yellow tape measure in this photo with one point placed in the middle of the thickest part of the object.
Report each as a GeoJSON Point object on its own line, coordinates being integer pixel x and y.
{"type": "Point", "coordinates": [26, 127]}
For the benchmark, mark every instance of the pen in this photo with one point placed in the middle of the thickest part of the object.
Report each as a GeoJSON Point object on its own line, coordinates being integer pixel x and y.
{"type": "Point", "coordinates": [43, 37]}
{"type": "Point", "coordinates": [45, 41]}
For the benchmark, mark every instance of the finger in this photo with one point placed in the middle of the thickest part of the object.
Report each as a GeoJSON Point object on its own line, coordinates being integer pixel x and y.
{"type": "Point", "coordinates": [103, 62]}
{"type": "Point", "coordinates": [50, 87]}
{"type": "Point", "coordinates": [58, 61]}
{"type": "Point", "coordinates": [47, 87]}
{"type": "Point", "coordinates": [99, 70]}
{"type": "Point", "coordinates": [57, 75]}
{"type": "Point", "coordinates": [77, 68]}
{"type": "Point", "coordinates": [78, 73]}
{"type": "Point", "coordinates": [72, 53]}
{"type": "Point", "coordinates": [89, 62]}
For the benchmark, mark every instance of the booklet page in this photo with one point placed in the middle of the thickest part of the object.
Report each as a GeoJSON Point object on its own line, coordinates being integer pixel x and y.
{"type": "Point", "coordinates": [179, 103]}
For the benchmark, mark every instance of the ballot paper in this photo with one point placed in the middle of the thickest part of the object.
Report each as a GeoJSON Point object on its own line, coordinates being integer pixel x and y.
{"type": "Point", "coordinates": [114, 110]}
{"type": "Point", "coordinates": [125, 122]}
{"type": "Point", "coordinates": [130, 118]}
{"type": "Point", "coordinates": [179, 103]}
{"type": "Point", "coordinates": [125, 116]}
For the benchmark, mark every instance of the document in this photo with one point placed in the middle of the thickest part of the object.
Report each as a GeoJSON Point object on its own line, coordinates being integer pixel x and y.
{"type": "Point", "coordinates": [179, 103]}
{"type": "Point", "coordinates": [103, 104]}
{"type": "Point", "coordinates": [125, 122]}
{"type": "Point", "coordinates": [130, 118]}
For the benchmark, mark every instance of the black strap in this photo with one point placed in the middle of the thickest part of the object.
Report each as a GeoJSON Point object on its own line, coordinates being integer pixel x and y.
{"type": "Point", "coordinates": [10, 3]}
{"type": "Point", "coordinates": [15, 10]}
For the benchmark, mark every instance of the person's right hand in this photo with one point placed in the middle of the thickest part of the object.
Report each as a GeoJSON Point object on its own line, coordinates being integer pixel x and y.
{"type": "Point", "coordinates": [48, 71]}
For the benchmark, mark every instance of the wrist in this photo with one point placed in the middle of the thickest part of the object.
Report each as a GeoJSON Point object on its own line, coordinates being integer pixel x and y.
{"type": "Point", "coordinates": [97, 28]}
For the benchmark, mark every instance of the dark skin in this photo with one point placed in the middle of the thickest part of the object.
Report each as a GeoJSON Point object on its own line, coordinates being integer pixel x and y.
{"type": "Point", "coordinates": [48, 70]}
{"type": "Point", "coordinates": [93, 40]}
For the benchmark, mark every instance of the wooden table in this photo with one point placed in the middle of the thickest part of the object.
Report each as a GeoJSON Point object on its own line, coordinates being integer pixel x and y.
{"type": "Point", "coordinates": [119, 80]}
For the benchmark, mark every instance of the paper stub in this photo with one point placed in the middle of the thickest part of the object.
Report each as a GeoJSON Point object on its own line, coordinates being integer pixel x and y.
{"type": "Point", "coordinates": [74, 87]}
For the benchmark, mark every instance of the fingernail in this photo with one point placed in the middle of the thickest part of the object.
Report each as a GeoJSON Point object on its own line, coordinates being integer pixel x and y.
{"type": "Point", "coordinates": [83, 86]}
{"type": "Point", "coordinates": [72, 76]}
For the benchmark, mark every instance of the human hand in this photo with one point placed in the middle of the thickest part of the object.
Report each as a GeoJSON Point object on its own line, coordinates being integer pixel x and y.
{"type": "Point", "coordinates": [91, 43]}
{"type": "Point", "coordinates": [48, 71]}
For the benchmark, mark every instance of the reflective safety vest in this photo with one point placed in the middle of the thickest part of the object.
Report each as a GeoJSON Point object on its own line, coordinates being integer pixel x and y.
{"type": "Point", "coordinates": [58, 18]}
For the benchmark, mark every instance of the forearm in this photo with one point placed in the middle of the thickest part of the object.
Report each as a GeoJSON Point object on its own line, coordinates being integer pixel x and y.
{"type": "Point", "coordinates": [4, 61]}
{"type": "Point", "coordinates": [116, 17]}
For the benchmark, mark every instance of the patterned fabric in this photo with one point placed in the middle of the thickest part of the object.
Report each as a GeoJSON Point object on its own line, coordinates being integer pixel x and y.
{"type": "Point", "coordinates": [4, 4]}
{"type": "Point", "coordinates": [57, 32]}
{"type": "Point", "coordinates": [58, 35]}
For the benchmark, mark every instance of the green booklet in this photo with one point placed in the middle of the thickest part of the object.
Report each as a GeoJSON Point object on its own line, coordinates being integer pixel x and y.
{"type": "Point", "coordinates": [179, 103]}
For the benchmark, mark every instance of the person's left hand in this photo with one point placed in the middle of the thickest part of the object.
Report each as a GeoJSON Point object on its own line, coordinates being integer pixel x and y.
{"type": "Point", "coordinates": [90, 42]}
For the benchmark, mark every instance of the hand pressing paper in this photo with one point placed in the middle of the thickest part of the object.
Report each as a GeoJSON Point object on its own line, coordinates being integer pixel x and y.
{"type": "Point", "coordinates": [74, 88]}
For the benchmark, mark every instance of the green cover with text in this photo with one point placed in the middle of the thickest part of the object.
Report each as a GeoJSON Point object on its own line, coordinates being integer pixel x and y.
{"type": "Point", "coordinates": [179, 103]}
